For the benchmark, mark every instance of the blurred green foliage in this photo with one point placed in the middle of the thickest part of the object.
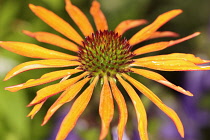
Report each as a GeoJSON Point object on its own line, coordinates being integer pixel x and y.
{"type": "Point", "coordinates": [15, 16]}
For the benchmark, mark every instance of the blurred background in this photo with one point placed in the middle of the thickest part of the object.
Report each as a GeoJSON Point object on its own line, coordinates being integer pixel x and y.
{"type": "Point", "coordinates": [194, 112]}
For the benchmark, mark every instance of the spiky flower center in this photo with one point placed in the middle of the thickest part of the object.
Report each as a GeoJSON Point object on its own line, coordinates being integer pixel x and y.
{"type": "Point", "coordinates": [105, 53]}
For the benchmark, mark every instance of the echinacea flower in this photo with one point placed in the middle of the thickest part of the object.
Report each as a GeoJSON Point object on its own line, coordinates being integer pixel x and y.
{"type": "Point", "coordinates": [101, 56]}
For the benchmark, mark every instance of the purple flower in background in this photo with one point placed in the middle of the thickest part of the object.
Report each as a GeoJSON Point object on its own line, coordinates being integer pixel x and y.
{"type": "Point", "coordinates": [193, 113]}
{"type": "Point", "coordinates": [198, 117]}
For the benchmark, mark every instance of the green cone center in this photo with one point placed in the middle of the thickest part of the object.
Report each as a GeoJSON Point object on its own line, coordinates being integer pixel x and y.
{"type": "Point", "coordinates": [105, 53]}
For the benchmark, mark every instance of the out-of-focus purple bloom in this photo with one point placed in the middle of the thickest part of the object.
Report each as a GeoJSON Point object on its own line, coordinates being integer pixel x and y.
{"type": "Point", "coordinates": [197, 116]}
{"type": "Point", "coordinates": [135, 135]}
{"type": "Point", "coordinates": [193, 116]}
{"type": "Point", "coordinates": [199, 86]}
{"type": "Point", "coordinates": [115, 136]}
{"type": "Point", "coordinates": [168, 131]}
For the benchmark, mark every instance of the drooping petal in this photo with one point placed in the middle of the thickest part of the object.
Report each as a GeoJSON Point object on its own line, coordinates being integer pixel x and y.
{"type": "Point", "coordinates": [123, 116]}
{"type": "Point", "coordinates": [174, 42]}
{"type": "Point", "coordinates": [146, 32]}
{"type": "Point", "coordinates": [128, 24]}
{"type": "Point", "coordinates": [139, 107]}
{"type": "Point", "coordinates": [76, 110]}
{"type": "Point", "coordinates": [160, 79]}
{"type": "Point", "coordinates": [65, 97]}
{"type": "Point", "coordinates": [51, 90]}
{"type": "Point", "coordinates": [149, 94]}
{"type": "Point", "coordinates": [174, 56]}
{"type": "Point", "coordinates": [159, 34]}
{"type": "Point", "coordinates": [34, 51]}
{"type": "Point", "coordinates": [36, 108]}
{"type": "Point", "coordinates": [98, 16]}
{"type": "Point", "coordinates": [106, 108]}
{"type": "Point", "coordinates": [171, 65]}
{"type": "Point", "coordinates": [162, 45]}
{"type": "Point", "coordinates": [39, 64]}
{"type": "Point", "coordinates": [79, 18]}
{"type": "Point", "coordinates": [46, 78]}
{"type": "Point", "coordinates": [56, 23]}
{"type": "Point", "coordinates": [53, 39]}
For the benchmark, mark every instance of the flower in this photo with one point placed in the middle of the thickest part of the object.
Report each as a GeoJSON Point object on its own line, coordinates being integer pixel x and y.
{"type": "Point", "coordinates": [101, 56]}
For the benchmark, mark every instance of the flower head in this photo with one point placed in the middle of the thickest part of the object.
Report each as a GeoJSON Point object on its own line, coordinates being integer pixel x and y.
{"type": "Point", "coordinates": [101, 55]}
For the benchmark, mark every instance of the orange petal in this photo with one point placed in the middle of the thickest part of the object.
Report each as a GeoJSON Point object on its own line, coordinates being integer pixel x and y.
{"type": "Point", "coordinates": [51, 90]}
{"type": "Point", "coordinates": [98, 16]}
{"type": "Point", "coordinates": [128, 24]}
{"type": "Point", "coordinates": [174, 56]}
{"type": "Point", "coordinates": [149, 94]}
{"type": "Point", "coordinates": [139, 107]}
{"type": "Point", "coordinates": [159, 34]}
{"type": "Point", "coordinates": [162, 45]}
{"type": "Point", "coordinates": [151, 48]}
{"type": "Point", "coordinates": [65, 97]}
{"type": "Point", "coordinates": [53, 39]}
{"type": "Point", "coordinates": [122, 108]}
{"type": "Point", "coordinates": [76, 110]}
{"type": "Point", "coordinates": [146, 32]}
{"type": "Point", "coordinates": [171, 65]}
{"type": "Point", "coordinates": [34, 51]}
{"type": "Point", "coordinates": [106, 108]}
{"type": "Point", "coordinates": [79, 18]}
{"type": "Point", "coordinates": [36, 108]}
{"type": "Point", "coordinates": [39, 64]}
{"type": "Point", "coordinates": [56, 23]}
{"type": "Point", "coordinates": [46, 78]}
{"type": "Point", "coordinates": [160, 79]}
{"type": "Point", "coordinates": [174, 42]}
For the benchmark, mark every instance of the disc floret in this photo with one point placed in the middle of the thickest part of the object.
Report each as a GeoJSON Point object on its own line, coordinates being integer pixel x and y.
{"type": "Point", "coordinates": [105, 53]}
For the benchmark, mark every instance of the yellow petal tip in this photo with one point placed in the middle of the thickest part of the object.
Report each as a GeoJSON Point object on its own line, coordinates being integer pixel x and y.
{"type": "Point", "coordinates": [9, 89]}
{"type": "Point", "coordinates": [67, 2]}
{"type": "Point", "coordinates": [31, 116]}
{"type": "Point", "coordinates": [190, 94]}
{"type": "Point", "coordinates": [174, 12]}
{"type": "Point", "coordinates": [31, 6]}
{"type": "Point", "coordinates": [2, 44]}
{"type": "Point", "coordinates": [178, 10]}
{"type": "Point", "coordinates": [44, 122]}
{"type": "Point", "coordinates": [7, 77]}
{"type": "Point", "coordinates": [197, 33]}
{"type": "Point", "coordinates": [33, 102]}
{"type": "Point", "coordinates": [182, 134]}
{"type": "Point", "coordinates": [29, 105]}
{"type": "Point", "coordinates": [28, 33]}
